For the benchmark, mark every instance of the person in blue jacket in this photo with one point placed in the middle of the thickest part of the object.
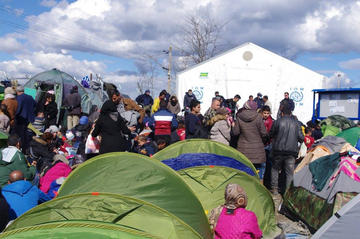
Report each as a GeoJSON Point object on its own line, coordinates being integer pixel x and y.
{"type": "Point", "coordinates": [21, 195]}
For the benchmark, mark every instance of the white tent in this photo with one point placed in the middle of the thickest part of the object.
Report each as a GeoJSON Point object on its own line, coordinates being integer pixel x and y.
{"type": "Point", "coordinates": [344, 223]}
{"type": "Point", "coordinates": [247, 70]}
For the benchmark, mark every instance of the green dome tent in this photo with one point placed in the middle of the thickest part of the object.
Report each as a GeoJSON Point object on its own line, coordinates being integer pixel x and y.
{"type": "Point", "coordinates": [75, 230]}
{"type": "Point", "coordinates": [110, 208]}
{"type": "Point", "coordinates": [194, 146]}
{"type": "Point", "coordinates": [208, 179]}
{"type": "Point", "coordinates": [351, 135]}
{"type": "Point", "coordinates": [139, 177]}
{"type": "Point", "coordinates": [61, 83]}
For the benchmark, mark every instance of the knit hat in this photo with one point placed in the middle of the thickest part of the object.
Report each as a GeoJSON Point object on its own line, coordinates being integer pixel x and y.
{"type": "Point", "coordinates": [250, 105]}
{"type": "Point", "coordinates": [20, 88]}
{"type": "Point", "coordinates": [10, 91]}
{"type": "Point", "coordinates": [83, 120]}
{"type": "Point", "coordinates": [69, 135]}
{"type": "Point", "coordinates": [52, 129]}
{"type": "Point", "coordinates": [147, 91]}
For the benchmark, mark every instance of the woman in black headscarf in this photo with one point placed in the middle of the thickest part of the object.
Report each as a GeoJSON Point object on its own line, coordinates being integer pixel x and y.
{"type": "Point", "coordinates": [111, 127]}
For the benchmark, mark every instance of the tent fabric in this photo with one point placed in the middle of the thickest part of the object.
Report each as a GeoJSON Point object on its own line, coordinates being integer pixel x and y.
{"type": "Point", "coordinates": [351, 135]}
{"type": "Point", "coordinates": [140, 177]}
{"type": "Point", "coordinates": [335, 121]}
{"type": "Point", "coordinates": [209, 184]}
{"type": "Point", "coordinates": [203, 146]}
{"type": "Point", "coordinates": [203, 159]}
{"type": "Point", "coordinates": [342, 225]}
{"type": "Point", "coordinates": [75, 230]}
{"type": "Point", "coordinates": [314, 211]}
{"type": "Point", "coordinates": [63, 83]}
{"type": "Point", "coordinates": [342, 183]}
{"type": "Point", "coordinates": [110, 208]}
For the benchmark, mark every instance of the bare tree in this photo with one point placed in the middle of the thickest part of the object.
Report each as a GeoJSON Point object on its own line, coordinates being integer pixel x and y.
{"type": "Point", "coordinates": [201, 36]}
{"type": "Point", "coordinates": [149, 69]}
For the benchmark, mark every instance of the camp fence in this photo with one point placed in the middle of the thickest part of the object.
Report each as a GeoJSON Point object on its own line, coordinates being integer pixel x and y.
{"type": "Point", "coordinates": [139, 177]}
{"type": "Point", "coordinates": [107, 208]}
{"type": "Point", "coordinates": [209, 171]}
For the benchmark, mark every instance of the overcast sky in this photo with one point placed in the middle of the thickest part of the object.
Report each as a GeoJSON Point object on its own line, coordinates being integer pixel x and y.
{"type": "Point", "coordinates": [107, 36]}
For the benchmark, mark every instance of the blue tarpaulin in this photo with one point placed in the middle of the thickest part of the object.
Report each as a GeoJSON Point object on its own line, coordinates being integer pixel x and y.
{"type": "Point", "coordinates": [204, 159]}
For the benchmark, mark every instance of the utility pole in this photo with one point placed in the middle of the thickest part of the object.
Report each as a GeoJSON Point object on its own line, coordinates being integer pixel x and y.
{"type": "Point", "coordinates": [169, 70]}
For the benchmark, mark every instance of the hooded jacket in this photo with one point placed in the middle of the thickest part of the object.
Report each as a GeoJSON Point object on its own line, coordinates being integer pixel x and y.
{"type": "Point", "coordinates": [187, 99]}
{"type": "Point", "coordinates": [22, 196]}
{"type": "Point", "coordinates": [286, 133]}
{"type": "Point", "coordinates": [111, 130]}
{"type": "Point", "coordinates": [58, 170]}
{"type": "Point", "coordinates": [220, 131]}
{"type": "Point", "coordinates": [175, 109]}
{"type": "Point", "coordinates": [11, 159]}
{"type": "Point", "coordinates": [251, 130]}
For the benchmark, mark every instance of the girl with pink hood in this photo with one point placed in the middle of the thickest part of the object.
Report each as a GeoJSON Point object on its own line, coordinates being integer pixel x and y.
{"type": "Point", "coordinates": [232, 220]}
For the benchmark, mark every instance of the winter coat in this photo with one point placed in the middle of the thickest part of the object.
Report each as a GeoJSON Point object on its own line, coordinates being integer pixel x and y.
{"type": "Point", "coordinates": [50, 114]}
{"type": "Point", "coordinates": [73, 103]}
{"type": "Point", "coordinates": [175, 109]}
{"type": "Point", "coordinates": [193, 126]}
{"type": "Point", "coordinates": [259, 102]}
{"type": "Point", "coordinates": [241, 224]}
{"type": "Point", "coordinates": [163, 122]}
{"type": "Point", "coordinates": [60, 169]}
{"type": "Point", "coordinates": [81, 132]}
{"type": "Point", "coordinates": [22, 196]}
{"type": "Point", "coordinates": [286, 133]}
{"type": "Point", "coordinates": [220, 132]}
{"type": "Point", "coordinates": [144, 100]}
{"type": "Point", "coordinates": [249, 125]}
{"type": "Point", "coordinates": [129, 104]}
{"type": "Point", "coordinates": [4, 123]}
{"type": "Point", "coordinates": [155, 107]}
{"type": "Point", "coordinates": [111, 130]}
{"type": "Point", "coordinates": [11, 104]}
{"type": "Point", "coordinates": [11, 159]}
{"type": "Point", "coordinates": [187, 99]}
{"type": "Point", "coordinates": [26, 108]}
{"type": "Point", "coordinates": [40, 152]}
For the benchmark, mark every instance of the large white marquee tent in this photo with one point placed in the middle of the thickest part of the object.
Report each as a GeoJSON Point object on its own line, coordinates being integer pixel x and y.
{"type": "Point", "coordinates": [247, 70]}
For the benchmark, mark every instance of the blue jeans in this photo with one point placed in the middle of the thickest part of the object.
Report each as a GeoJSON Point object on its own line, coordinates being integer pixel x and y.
{"type": "Point", "coordinates": [260, 167]}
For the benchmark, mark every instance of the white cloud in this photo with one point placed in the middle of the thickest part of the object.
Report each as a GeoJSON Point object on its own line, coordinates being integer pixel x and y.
{"type": "Point", "coordinates": [9, 44]}
{"type": "Point", "coordinates": [338, 80]}
{"type": "Point", "coordinates": [41, 61]}
{"type": "Point", "coordinates": [353, 64]}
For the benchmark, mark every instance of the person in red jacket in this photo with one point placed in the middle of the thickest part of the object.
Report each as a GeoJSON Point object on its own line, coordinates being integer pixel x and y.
{"type": "Point", "coordinates": [163, 122]}
{"type": "Point", "coordinates": [308, 140]}
{"type": "Point", "coordinates": [268, 122]}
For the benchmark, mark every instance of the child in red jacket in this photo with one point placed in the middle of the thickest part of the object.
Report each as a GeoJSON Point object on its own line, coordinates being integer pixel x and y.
{"type": "Point", "coordinates": [308, 140]}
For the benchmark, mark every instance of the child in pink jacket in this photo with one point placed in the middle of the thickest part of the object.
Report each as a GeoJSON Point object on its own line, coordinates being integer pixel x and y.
{"type": "Point", "coordinates": [232, 220]}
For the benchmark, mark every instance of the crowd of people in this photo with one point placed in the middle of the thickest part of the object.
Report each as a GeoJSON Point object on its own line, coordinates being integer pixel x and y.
{"type": "Point", "coordinates": [41, 151]}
